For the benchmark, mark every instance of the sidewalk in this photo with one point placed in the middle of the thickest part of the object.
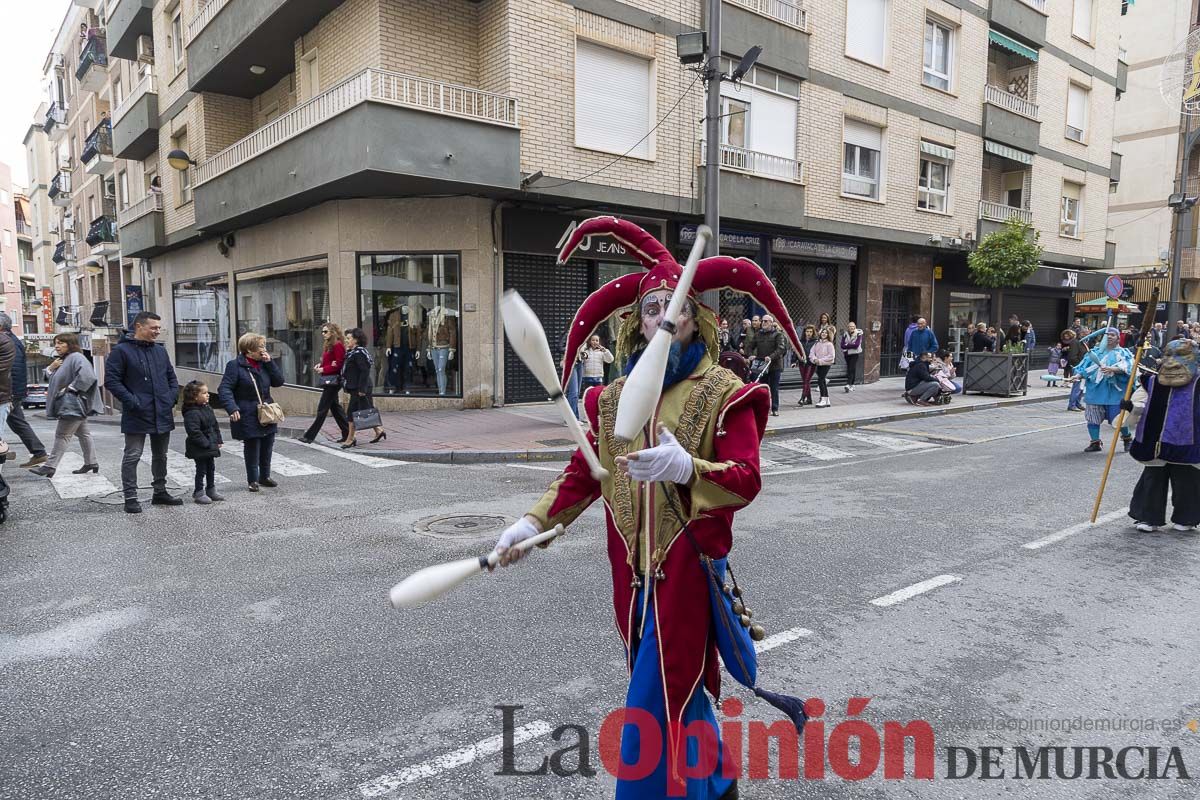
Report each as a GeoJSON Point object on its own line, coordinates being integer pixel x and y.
{"type": "Point", "coordinates": [535, 432]}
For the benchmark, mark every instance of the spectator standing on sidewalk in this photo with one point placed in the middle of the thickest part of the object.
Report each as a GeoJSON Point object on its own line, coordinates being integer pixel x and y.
{"type": "Point", "coordinates": [922, 339]}
{"type": "Point", "coordinates": [245, 385]}
{"type": "Point", "coordinates": [724, 337]}
{"type": "Point", "coordinates": [203, 441]}
{"type": "Point", "coordinates": [748, 341]}
{"type": "Point", "coordinates": [807, 368]}
{"type": "Point", "coordinates": [595, 358]}
{"type": "Point", "coordinates": [980, 341]}
{"type": "Point", "coordinates": [769, 342]}
{"type": "Point", "coordinates": [1073, 351]}
{"type": "Point", "coordinates": [575, 380]}
{"type": "Point", "coordinates": [920, 385]}
{"type": "Point", "coordinates": [740, 339]}
{"type": "Point", "coordinates": [1030, 336]}
{"type": "Point", "coordinates": [822, 355]}
{"type": "Point", "coordinates": [16, 416]}
{"type": "Point", "coordinates": [139, 374]}
{"type": "Point", "coordinates": [908, 332]}
{"type": "Point", "coordinates": [825, 324]}
{"type": "Point", "coordinates": [852, 347]}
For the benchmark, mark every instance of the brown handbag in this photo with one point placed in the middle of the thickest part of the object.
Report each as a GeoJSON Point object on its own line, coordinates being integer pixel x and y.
{"type": "Point", "coordinates": [268, 413]}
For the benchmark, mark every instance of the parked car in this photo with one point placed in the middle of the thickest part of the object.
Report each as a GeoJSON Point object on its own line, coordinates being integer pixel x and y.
{"type": "Point", "coordinates": [35, 396]}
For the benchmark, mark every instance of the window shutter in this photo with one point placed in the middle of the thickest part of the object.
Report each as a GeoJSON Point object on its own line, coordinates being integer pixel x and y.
{"type": "Point", "coordinates": [1071, 190]}
{"type": "Point", "coordinates": [612, 100]}
{"type": "Point", "coordinates": [1077, 98]}
{"type": "Point", "coordinates": [773, 129]}
{"type": "Point", "coordinates": [866, 29]}
{"type": "Point", "coordinates": [1082, 24]}
{"type": "Point", "coordinates": [863, 135]}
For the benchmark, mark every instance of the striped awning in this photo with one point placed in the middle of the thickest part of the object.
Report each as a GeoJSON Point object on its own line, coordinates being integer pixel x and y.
{"type": "Point", "coordinates": [1012, 45]}
{"type": "Point", "coordinates": [929, 148]}
{"type": "Point", "coordinates": [1004, 151]}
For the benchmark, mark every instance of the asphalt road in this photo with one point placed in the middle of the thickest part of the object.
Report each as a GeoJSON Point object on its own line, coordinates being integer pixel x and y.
{"type": "Point", "coordinates": [247, 650]}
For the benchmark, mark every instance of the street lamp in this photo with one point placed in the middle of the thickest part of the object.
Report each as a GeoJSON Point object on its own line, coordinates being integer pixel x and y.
{"type": "Point", "coordinates": [180, 160]}
{"type": "Point", "coordinates": [1180, 204]}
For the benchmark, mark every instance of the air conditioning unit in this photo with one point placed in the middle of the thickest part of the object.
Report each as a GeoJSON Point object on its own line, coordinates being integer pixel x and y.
{"type": "Point", "coordinates": [145, 49]}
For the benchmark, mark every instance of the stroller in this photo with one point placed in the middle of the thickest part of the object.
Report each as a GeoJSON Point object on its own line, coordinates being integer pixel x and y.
{"type": "Point", "coordinates": [736, 363]}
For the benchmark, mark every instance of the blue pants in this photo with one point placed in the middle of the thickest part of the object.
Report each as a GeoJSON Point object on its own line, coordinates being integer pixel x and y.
{"type": "Point", "coordinates": [257, 454]}
{"type": "Point", "coordinates": [1076, 395]}
{"type": "Point", "coordinates": [573, 383]}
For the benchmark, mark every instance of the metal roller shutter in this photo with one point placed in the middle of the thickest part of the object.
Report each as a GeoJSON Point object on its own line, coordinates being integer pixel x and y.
{"type": "Point", "coordinates": [1049, 317]}
{"type": "Point", "coordinates": [555, 294]}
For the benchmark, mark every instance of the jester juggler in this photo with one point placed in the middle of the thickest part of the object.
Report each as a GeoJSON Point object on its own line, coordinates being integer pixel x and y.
{"type": "Point", "coordinates": [669, 500]}
{"type": "Point", "coordinates": [1104, 372]}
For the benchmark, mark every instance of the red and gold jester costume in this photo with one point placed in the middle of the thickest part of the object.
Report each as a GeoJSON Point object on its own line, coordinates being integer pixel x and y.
{"type": "Point", "coordinates": [720, 422]}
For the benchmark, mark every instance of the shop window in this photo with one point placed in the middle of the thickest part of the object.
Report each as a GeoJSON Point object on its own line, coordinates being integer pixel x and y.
{"type": "Point", "coordinates": [288, 305]}
{"type": "Point", "coordinates": [411, 313]}
{"type": "Point", "coordinates": [202, 324]}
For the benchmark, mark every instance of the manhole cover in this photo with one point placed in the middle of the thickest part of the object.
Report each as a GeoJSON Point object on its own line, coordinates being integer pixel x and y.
{"type": "Point", "coordinates": [458, 526]}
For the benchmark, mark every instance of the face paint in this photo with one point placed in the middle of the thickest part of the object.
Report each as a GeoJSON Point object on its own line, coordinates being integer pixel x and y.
{"type": "Point", "coordinates": [1178, 366]}
{"type": "Point", "coordinates": [654, 306]}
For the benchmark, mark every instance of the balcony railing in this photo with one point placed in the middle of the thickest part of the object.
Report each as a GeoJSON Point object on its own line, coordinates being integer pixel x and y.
{"type": "Point", "coordinates": [370, 85]}
{"type": "Point", "coordinates": [98, 142]}
{"type": "Point", "coordinates": [998, 212]}
{"type": "Point", "coordinates": [95, 52]}
{"type": "Point", "coordinates": [60, 184]}
{"type": "Point", "coordinates": [151, 203]}
{"type": "Point", "coordinates": [202, 18]}
{"type": "Point", "coordinates": [762, 165]}
{"type": "Point", "coordinates": [102, 229]}
{"type": "Point", "coordinates": [778, 10]}
{"type": "Point", "coordinates": [1040, 5]}
{"type": "Point", "coordinates": [24, 228]}
{"type": "Point", "coordinates": [144, 87]}
{"type": "Point", "coordinates": [56, 115]}
{"type": "Point", "coordinates": [1010, 102]}
{"type": "Point", "coordinates": [63, 251]}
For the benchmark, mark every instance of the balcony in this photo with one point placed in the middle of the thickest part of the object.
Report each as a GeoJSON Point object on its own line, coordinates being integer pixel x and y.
{"type": "Point", "coordinates": [60, 189]}
{"type": "Point", "coordinates": [55, 124]}
{"type": "Point", "coordinates": [1010, 119]}
{"type": "Point", "coordinates": [1114, 169]}
{"type": "Point", "coordinates": [97, 155]}
{"type": "Point", "coordinates": [24, 229]}
{"type": "Point", "coordinates": [135, 122]}
{"type": "Point", "coordinates": [758, 186]}
{"type": "Point", "coordinates": [64, 253]}
{"type": "Point", "coordinates": [780, 27]}
{"type": "Point", "coordinates": [1122, 76]}
{"type": "Point", "coordinates": [92, 72]}
{"type": "Point", "coordinates": [1189, 263]}
{"type": "Point", "coordinates": [1025, 19]}
{"type": "Point", "coordinates": [102, 237]}
{"type": "Point", "coordinates": [455, 139]}
{"type": "Point", "coordinates": [992, 217]}
{"type": "Point", "coordinates": [127, 20]}
{"type": "Point", "coordinates": [141, 225]}
{"type": "Point", "coordinates": [226, 37]}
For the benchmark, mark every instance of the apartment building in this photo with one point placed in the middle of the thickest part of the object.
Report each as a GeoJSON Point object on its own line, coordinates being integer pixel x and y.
{"type": "Point", "coordinates": [42, 215]}
{"type": "Point", "coordinates": [398, 164]}
{"type": "Point", "coordinates": [10, 258]}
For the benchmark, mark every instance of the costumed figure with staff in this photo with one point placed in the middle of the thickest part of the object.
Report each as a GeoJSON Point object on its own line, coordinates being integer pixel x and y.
{"type": "Point", "coordinates": [670, 495]}
{"type": "Point", "coordinates": [1104, 372]}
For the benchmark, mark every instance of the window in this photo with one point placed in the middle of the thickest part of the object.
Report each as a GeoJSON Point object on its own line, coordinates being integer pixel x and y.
{"type": "Point", "coordinates": [613, 101]}
{"type": "Point", "coordinates": [123, 189]}
{"type": "Point", "coordinates": [7, 238]}
{"type": "Point", "coordinates": [939, 55]}
{"type": "Point", "coordinates": [311, 74]}
{"type": "Point", "coordinates": [862, 165]}
{"type": "Point", "coordinates": [410, 304]}
{"type": "Point", "coordinates": [933, 184]}
{"type": "Point", "coordinates": [118, 92]}
{"type": "Point", "coordinates": [202, 324]}
{"type": "Point", "coordinates": [735, 119]}
{"type": "Point", "coordinates": [1081, 21]}
{"type": "Point", "coordinates": [177, 38]}
{"type": "Point", "coordinates": [183, 177]}
{"type": "Point", "coordinates": [1077, 103]}
{"type": "Point", "coordinates": [4, 200]}
{"type": "Point", "coordinates": [288, 305]}
{"type": "Point", "coordinates": [91, 205]}
{"type": "Point", "coordinates": [866, 30]}
{"type": "Point", "coordinates": [1014, 189]}
{"type": "Point", "coordinates": [760, 124]}
{"type": "Point", "coordinates": [1071, 211]}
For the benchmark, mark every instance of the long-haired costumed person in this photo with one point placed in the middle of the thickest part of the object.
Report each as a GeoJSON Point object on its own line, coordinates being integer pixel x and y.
{"type": "Point", "coordinates": [669, 498]}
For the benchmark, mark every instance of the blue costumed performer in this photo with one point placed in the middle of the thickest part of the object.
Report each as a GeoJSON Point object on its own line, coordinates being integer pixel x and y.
{"type": "Point", "coordinates": [1105, 373]}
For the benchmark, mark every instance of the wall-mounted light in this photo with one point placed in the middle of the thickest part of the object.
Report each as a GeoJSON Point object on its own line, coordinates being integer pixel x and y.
{"type": "Point", "coordinates": [691, 47]}
{"type": "Point", "coordinates": [257, 69]}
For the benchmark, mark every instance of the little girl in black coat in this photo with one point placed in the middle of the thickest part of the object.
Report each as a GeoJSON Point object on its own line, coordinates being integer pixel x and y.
{"type": "Point", "coordinates": [203, 440]}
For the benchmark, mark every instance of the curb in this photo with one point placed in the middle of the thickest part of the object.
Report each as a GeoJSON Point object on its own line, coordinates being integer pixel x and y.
{"type": "Point", "coordinates": [563, 453]}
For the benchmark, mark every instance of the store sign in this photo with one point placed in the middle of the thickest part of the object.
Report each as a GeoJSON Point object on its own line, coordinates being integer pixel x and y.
{"type": "Point", "coordinates": [47, 310]}
{"type": "Point", "coordinates": [602, 247]}
{"type": "Point", "coordinates": [133, 303]}
{"type": "Point", "coordinates": [730, 240]}
{"type": "Point", "coordinates": [527, 230]}
{"type": "Point", "coordinates": [810, 248]}
{"type": "Point", "coordinates": [1071, 280]}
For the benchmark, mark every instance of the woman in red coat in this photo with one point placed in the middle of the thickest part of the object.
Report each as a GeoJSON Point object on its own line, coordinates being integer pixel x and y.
{"type": "Point", "coordinates": [332, 358]}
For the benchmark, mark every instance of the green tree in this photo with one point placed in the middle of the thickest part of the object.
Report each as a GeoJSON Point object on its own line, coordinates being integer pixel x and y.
{"type": "Point", "coordinates": [1006, 258]}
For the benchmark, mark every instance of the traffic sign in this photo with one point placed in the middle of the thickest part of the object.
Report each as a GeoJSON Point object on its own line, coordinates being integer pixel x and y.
{"type": "Point", "coordinates": [1113, 286]}
{"type": "Point", "coordinates": [1112, 304]}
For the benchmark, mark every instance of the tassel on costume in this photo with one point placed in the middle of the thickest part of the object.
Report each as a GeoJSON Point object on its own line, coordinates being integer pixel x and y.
{"type": "Point", "coordinates": [792, 706]}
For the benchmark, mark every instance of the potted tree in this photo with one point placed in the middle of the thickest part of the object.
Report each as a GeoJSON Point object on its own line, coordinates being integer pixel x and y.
{"type": "Point", "coordinates": [1004, 260]}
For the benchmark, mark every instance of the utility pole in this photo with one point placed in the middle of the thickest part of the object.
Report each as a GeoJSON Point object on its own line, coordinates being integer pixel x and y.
{"type": "Point", "coordinates": [712, 129]}
{"type": "Point", "coordinates": [1181, 210]}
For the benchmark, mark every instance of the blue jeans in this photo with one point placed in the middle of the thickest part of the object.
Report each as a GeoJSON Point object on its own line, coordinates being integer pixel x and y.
{"type": "Point", "coordinates": [257, 454]}
{"type": "Point", "coordinates": [573, 383]}
{"type": "Point", "coordinates": [441, 356]}
{"type": "Point", "coordinates": [1076, 395]}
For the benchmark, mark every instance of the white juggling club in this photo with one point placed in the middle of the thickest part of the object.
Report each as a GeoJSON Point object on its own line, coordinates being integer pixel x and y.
{"type": "Point", "coordinates": [644, 385]}
{"type": "Point", "coordinates": [432, 582]}
{"type": "Point", "coordinates": [528, 339]}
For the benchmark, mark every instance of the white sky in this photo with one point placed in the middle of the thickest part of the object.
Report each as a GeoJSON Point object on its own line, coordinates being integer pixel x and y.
{"type": "Point", "coordinates": [27, 30]}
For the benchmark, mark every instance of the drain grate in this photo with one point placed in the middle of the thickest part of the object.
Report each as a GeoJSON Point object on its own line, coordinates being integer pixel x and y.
{"type": "Point", "coordinates": [460, 526]}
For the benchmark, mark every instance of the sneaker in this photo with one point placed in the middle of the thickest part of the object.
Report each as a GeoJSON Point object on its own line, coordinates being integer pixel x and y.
{"type": "Point", "coordinates": [1094, 447]}
{"type": "Point", "coordinates": [774, 413]}
{"type": "Point", "coordinates": [908, 398]}
{"type": "Point", "coordinates": [823, 403]}
{"type": "Point", "coordinates": [201, 498]}
{"type": "Point", "coordinates": [34, 461]}
{"type": "Point", "coordinates": [212, 495]}
{"type": "Point", "coordinates": [133, 507]}
{"type": "Point", "coordinates": [268, 482]}
{"type": "Point", "coordinates": [1183, 528]}
{"type": "Point", "coordinates": [165, 499]}
{"type": "Point", "coordinates": [252, 487]}
{"type": "Point", "coordinates": [1146, 527]}
{"type": "Point", "coordinates": [847, 389]}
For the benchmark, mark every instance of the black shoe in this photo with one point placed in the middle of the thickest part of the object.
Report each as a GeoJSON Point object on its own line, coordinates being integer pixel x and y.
{"type": "Point", "coordinates": [84, 470]}
{"type": "Point", "coordinates": [1094, 447]}
{"type": "Point", "coordinates": [267, 482]}
{"type": "Point", "coordinates": [252, 486]}
{"type": "Point", "coordinates": [42, 472]}
{"type": "Point", "coordinates": [1127, 442]}
{"type": "Point", "coordinates": [133, 507]}
{"type": "Point", "coordinates": [381, 436]}
{"type": "Point", "coordinates": [165, 499]}
{"type": "Point", "coordinates": [305, 440]}
{"type": "Point", "coordinates": [349, 444]}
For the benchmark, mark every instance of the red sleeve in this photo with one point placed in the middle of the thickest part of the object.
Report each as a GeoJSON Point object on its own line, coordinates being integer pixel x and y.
{"type": "Point", "coordinates": [733, 478]}
{"type": "Point", "coordinates": [575, 489]}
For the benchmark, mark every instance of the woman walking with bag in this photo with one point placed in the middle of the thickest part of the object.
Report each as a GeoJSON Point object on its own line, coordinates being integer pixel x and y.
{"type": "Point", "coordinates": [852, 347]}
{"type": "Point", "coordinates": [356, 380]}
{"type": "Point", "coordinates": [72, 396]}
{"type": "Point", "coordinates": [254, 417]}
{"type": "Point", "coordinates": [329, 378]}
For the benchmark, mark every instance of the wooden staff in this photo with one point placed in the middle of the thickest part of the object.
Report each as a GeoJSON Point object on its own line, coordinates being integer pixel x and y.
{"type": "Point", "coordinates": [1147, 324]}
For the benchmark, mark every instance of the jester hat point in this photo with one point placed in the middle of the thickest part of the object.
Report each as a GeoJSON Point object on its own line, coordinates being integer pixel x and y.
{"type": "Point", "coordinates": [662, 272]}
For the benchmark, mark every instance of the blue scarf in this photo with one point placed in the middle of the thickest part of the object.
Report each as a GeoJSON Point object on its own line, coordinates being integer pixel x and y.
{"type": "Point", "coordinates": [680, 363]}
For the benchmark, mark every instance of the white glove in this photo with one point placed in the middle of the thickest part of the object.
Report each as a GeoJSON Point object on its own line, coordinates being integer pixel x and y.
{"type": "Point", "coordinates": [516, 533]}
{"type": "Point", "coordinates": [667, 462]}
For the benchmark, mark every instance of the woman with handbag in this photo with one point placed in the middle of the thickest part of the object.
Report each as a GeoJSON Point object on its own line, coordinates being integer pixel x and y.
{"type": "Point", "coordinates": [356, 380]}
{"type": "Point", "coordinates": [72, 396]}
{"type": "Point", "coordinates": [254, 417]}
{"type": "Point", "coordinates": [329, 379]}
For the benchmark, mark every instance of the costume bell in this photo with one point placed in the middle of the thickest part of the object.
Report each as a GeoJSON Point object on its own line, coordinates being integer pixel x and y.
{"type": "Point", "coordinates": [697, 460]}
{"type": "Point", "coordinates": [1105, 373]}
{"type": "Point", "coordinates": [1168, 442]}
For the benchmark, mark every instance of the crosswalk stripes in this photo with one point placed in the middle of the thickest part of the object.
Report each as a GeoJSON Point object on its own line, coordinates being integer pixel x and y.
{"type": "Point", "coordinates": [374, 462]}
{"type": "Point", "coordinates": [893, 443]}
{"type": "Point", "coordinates": [73, 487]}
{"type": "Point", "coordinates": [280, 465]}
{"type": "Point", "coordinates": [180, 468]}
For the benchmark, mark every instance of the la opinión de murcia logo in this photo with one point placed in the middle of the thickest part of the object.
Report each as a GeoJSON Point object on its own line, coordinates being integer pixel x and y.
{"type": "Point", "coordinates": [853, 750]}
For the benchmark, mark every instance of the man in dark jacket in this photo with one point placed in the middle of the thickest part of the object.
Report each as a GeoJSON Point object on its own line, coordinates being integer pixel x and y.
{"type": "Point", "coordinates": [138, 372]}
{"type": "Point", "coordinates": [919, 384]}
{"type": "Point", "coordinates": [16, 417]}
{"type": "Point", "coordinates": [8, 354]}
{"type": "Point", "coordinates": [768, 342]}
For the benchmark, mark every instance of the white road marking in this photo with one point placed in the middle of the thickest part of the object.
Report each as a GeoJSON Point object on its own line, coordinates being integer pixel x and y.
{"type": "Point", "coordinates": [279, 464]}
{"type": "Point", "coordinates": [180, 468]}
{"type": "Point", "coordinates": [783, 637]}
{"type": "Point", "coordinates": [821, 452]}
{"type": "Point", "coordinates": [374, 462]}
{"type": "Point", "coordinates": [73, 487]}
{"type": "Point", "coordinates": [534, 466]}
{"type": "Point", "coordinates": [908, 592]}
{"type": "Point", "coordinates": [894, 443]}
{"type": "Point", "coordinates": [1074, 529]}
{"type": "Point", "coordinates": [387, 784]}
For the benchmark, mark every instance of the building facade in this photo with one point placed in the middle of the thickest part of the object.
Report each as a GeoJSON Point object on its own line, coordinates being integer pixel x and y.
{"type": "Point", "coordinates": [43, 214]}
{"type": "Point", "coordinates": [10, 253]}
{"type": "Point", "coordinates": [398, 164]}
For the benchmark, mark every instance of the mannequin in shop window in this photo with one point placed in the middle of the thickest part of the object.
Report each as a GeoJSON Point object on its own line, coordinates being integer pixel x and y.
{"type": "Point", "coordinates": [395, 340]}
{"type": "Point", "coordinates": [443, 340]}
